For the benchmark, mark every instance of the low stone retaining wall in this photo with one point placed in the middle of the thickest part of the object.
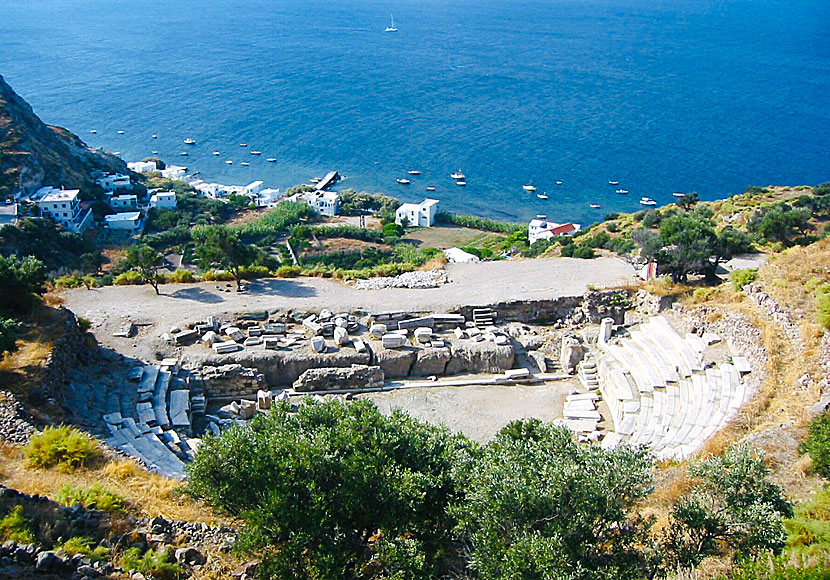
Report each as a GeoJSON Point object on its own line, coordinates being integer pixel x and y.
{"type": "Point", "coordinates": [335, 379]}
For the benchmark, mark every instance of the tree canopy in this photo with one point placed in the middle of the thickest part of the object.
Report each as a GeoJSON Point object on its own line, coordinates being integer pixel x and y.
{"type": "Point", "coordinates": [220, 247]}
{"type": "Point", "coordinates": [146, 261]}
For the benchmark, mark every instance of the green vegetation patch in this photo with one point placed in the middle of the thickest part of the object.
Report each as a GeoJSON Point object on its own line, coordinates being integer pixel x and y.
{"type": "Point", "coordinates": [93, 497]}
{"type": "Point", "coordinates": [16, 526]}
{"type": "Point", "coordinates": [66, 448]}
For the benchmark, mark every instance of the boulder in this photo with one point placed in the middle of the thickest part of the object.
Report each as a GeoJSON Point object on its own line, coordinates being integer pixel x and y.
{"type": "Point", "coordinates": [49, 561]}
{"type": "Point", "coordinates": [247, 409]}
{"type": "Point", "coordinates": [430, 361]}
{"type": "Point", "coordinates": [190, 557]}
{"type": "Point", "coordinates": [210, 337]}
{"type": "Point", "coordinates": [571, 353]}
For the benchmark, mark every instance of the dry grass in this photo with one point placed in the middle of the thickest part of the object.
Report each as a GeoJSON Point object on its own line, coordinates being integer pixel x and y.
{"type": "Point", "coordinates": [435, 263]}
{"type": "Point", "coordinates": [148, 494]}
{"type": "Point", "coordinates": [443, 237]}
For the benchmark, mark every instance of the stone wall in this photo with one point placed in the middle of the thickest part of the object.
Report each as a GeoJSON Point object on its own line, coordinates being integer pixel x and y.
{"type": "Point", "coordinates": [568, 310]}
{"type": "Point", "coordinates": [335, 379]}
{"type": "Point", "coordinates": [70, 350]}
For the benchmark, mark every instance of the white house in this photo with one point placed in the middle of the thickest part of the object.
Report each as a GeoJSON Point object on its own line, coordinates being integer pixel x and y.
{"type": "Point", "coordinates": [163, 199]}
{"type": "Point", "coordinates": [253, 188]}
{"type": "Point", "coordinates": [541, 229]}
{"type": "Point", "coordinates": [173, 172]}
{"type": "Point", "coordinates": [417, 214]}
{"type": "Point", "coordinates": [64, 206]}
{"type": "Point", "coordinates": [114, 181]}
{"type": "Point", "coordinates": [130, 222]}
{"type": "Point", "coordinates": [126, 201]}
{"type": "Point", "coordinates": [268, 197]}
{"type": "Point", "coordinates": [142, 166]}
{"type": "Point", "coordinates": [323, 202]}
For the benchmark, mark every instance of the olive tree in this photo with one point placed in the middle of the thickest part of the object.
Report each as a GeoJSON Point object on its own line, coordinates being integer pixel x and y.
{"type": "Point", "coordinates": [146, 261]}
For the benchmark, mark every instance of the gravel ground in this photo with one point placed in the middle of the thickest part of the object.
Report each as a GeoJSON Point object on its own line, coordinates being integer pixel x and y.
{"type": "Point", "coordinates": [483, 283]}
{"type": "Point", "coordinates": [477, 411]}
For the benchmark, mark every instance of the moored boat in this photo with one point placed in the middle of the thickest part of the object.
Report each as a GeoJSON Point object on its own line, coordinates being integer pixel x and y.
{"type": "Point", "coordinates": [184, 153]}
{"type": "Point", "coordinates": [216, 153]}
{"type": "Point", "coordinates": [559, 182]}
{"type": "Point", "coordinates": [613, 182]}
{"type": "Point", "coordinates": [594, 206]}
{"type": "Point", "coordinates": [542, 195]}
{"type": "Point", "coordinates": [414, 172]}
{"type": "Point", "coordinates": [256, 152]}
{"type": "Point", "coordinates": [458, 175]}
{"type": "Point", "coordinates": [622, 191]}
{"type": "Point", "coordinates": [461, 183]}
{"type": "Point", "coordinates": [121, 132]}
{"type": "Point", "coordinates": [678, 194]}
{"type": "Point", "coordinates": [647, 201]}
{"type": "Point", "coordinates": [430, 188]}
{"type": "Point", "coordinates": [271, 159]}
{"type": "Point", "coordinates": [229, 162]}
{"type": "Point", "coordinates": [403, 181]}
{"type": "Point", "coordinates": [245, 164]}
{"type": "Point", "coordinates": [529, 187]}
{"type": "Point", "coordinates": [93, 131]}
{"type": "Point", "coordinates": [189, 141]}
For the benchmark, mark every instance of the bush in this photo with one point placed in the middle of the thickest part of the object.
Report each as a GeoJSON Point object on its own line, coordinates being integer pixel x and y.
{"type": "Point", "coordinates": [69, 281]}
{"type": "Point", "coordinates": [92, 497]}
{"type": "Point", "coordinates": [129, 278]}
{"type": "Point", "coordinates": [63, 447]}
{"type": "Point", "coordinates": [742, 277]}
{"type": "Point", "coordinates": [78, 545]}
{"type": "Point", "coordinates": [217, 276]}
{"type": "Point", "coordinates": [288, 271]}
{"type": "Point", "coordinates": [817, 444]}
{"type": "Point", "coordinates": [16, 527]}
{"type": "Point", "coordinates": [157, 564]}
{"type": "Point", "coordinates": [823, 304]}
{"type": "Point", "coordinates": [777, 569]}
{"type": "Point", "coordinates": [180, 277]}
{"type": "Point", "coordinates": [254, 272]}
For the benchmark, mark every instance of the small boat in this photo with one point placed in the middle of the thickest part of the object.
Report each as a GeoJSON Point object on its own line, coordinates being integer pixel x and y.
{"type": "Point", "coordinates": [154, 152]}
{"type": "Point", "coordinates": [558, 182]}
{"type": "Point", "coordinates": [457, 175]}
{"type": "Point", "coordinates": [622, 191]}
{"type": "Point", "coordinates": [245, 164]}
{"type": "Point", "coordinates": [93, 131]}
{"type": "Point", "coordinates": [121, 132]}
{"type": "Point", "coordinates": [391, 27]}
{"type": "Point", "coordinates": [542, 195]}
{"type": "Point", "coordinates": [594, 205]}
{"type": "Point", "coordinates": [403, 181]}
{"type": "Point", "coordinates": [229, 162]}
{"type": "Point", "coordinates": [613, 182]}
{"type": "Point", "coordinates": [243, 144]}
{"type": "Point", "coordinates": [256, 152]}
{"type": "Point", "coordinates": [414, 172]}
{"type": "Point", "coordinates": [189, 141]}
{"type": "Point", "coordinates": [116, 153]}
{"type": "Point", "coordinates": [271, 159]}
{"type": "Point", "coordinates": [678, 194]}
{"type": "Point", "coordinates": [430, 188]}
{"type": "Point", "coordinates": [461, 183]}
{"type": "Point", "coordinates": [155, 136]}
{"type": "Point", "coordinates": [184, 153]}
{"type": "Point", "coordinates": [316, 179]}
{"type": "Point", "coordinates": [529, 187]}
{"type": "Point", "coordinates": [216, 153]}
{"type": "Point", "coordinates": [647, 201]}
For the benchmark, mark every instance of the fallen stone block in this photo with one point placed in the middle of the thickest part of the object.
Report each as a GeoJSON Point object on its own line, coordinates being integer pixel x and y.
{"type": "Point", "coordinates": [340, 322]}
{"type": "Point", "coordinates": [264, 399]}
{"type": "Point", "coordinates": [253, 341]}
{"type": "Point", "coordinates": [226, 347]}
{"type": "Point", "coordinates": [247, 409]}
{"type": "Point", "coordinates": [341, 336]}
{"type": "Point", "coordinates": [318, 344]}
{"type": "Point", "coordinates": [186, 337]}
{"type": "Point", "coordinates": [437, 343]}
{"type": "Point", "coordinates": [254, 331]}
{"type": "Point", "coordinates": [339, 378]}
{"type": "Point", "coordinates": [271, 343]}
{"type": "Point", "coordinates": [473, 331]}
{"type": "Point", "coordinates": [213, 322]}
{"type": "Point", "coordinates": [210, 337]}
{"type": "Point", "coordinates": [359, 345]}
{"type": "Point", "coordinates": [235, 333]}
{"type": "Point", "coordinates": [423, 334]}
{"type": "Point", "coordinates": [501, 340]}
{"type": "Point", "coordinates": [516, 374]}
{"type": "Point", "coordinates": [459, 333]}
{"type": "Point", "coordinates": [378, 330]}
{"type": "Point", "coordinates": [393, 340]}
{"type": "Point", "coordinates": [311, 324]}
{"type": "Point", "coordinates": [274, 328]}
{"type": "Point", "coordinates": [325, 314]}
{"type": "Point", "coordinates": [427, 321]}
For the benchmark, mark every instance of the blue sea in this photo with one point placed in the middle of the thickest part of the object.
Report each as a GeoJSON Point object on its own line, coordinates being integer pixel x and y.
{"type": "Point", "coordinates": [662, 95]}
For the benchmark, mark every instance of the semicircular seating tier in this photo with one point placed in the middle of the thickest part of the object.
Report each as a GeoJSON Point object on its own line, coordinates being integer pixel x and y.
{"type": "Point", "coordinates": [659, 392]}
{"type": "Point", "coordinates": [151, 422]}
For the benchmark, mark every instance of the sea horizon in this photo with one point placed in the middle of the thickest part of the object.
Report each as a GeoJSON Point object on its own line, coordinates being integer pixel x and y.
{"type": "Point", "coordinates": [671, 96]}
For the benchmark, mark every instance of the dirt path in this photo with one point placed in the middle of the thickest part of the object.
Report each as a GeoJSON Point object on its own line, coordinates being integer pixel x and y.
{"type": "Point", "coordinates": [483, 283]}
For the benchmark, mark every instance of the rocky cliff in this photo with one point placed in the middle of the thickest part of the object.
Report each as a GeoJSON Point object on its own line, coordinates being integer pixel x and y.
{"type": "Point", "coordinates": [34, 154]}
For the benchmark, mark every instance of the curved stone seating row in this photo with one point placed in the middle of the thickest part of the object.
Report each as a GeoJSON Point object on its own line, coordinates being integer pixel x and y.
{"type": "Point", "coordinates": [150, 438]}
{"type": "Point", "coordinates": [671, 403]}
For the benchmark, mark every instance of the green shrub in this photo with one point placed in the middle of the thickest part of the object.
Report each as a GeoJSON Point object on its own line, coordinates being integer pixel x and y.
{"type": "Point", "coordinates": [157, 564]}
{"type": "Point", "coordinates": [288, 271]}
{"type": "Point", "coordinates": [69, 281]}
{"type": "Point", "coordinates": [180, 277]}
{"type": "Point", "coordinates": [777, 569]}
{"type": "Point", "coordinates": [16, 527]}
{"type": "Point", "coordinates": [63, 447]}
{"type": "Point", "coordinates": [817, 444]}
{"type": "Point", "coordinates": [254, 272]}
{"type": "Point", "coordinates": [217, 276]}
{"type": "Point", "coordinates": [92, 497]}
{"type": "Point", "coordinates": [477, 223]}
{"type": "Point", "coordinates": [83, 546]}
{"type": "Point", "coordinates": [128, 278]}
{"type": "Point", "coordinates": [742, 277]}
{"type": "Point", "coordinates": [809, 529]}
{"type": "Point", "coordinates": [823, 304]}
{"type": "Point", "coordinates": [84, 323]}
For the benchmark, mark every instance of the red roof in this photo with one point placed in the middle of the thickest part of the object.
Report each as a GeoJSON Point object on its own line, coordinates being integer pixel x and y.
{"type": "Point", "coordinates": [563, 229]}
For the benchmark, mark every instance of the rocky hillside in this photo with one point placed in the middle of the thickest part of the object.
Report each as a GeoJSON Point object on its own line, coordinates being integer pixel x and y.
{"type": "Point", "coordinates": [34, 154]}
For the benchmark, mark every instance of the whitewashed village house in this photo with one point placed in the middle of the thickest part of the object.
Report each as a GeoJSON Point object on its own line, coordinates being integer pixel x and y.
{"type": "Point", "coordinates": [127, 222]}
{"type": "Point", "coordinates": [142, 166]}
{"type": "Point", "coordinates": [417, 214]}
{"type": "Point", "coordinates": [114, 181]}
{"type": "Point", "coordinates": [125, 201]}
{"type": "Point", "coordinates": [325, 203]}
{"type": "Point", "coordinates": [163, 200]}
{"type": "Point", "coordinates": [541, 229]}
{"type": "Point", "coordinates": [64, 206]}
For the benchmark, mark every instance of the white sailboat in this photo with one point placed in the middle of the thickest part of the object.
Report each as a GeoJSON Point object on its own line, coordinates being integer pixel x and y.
{"type": "Point", "coordinates": [391, 27]}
